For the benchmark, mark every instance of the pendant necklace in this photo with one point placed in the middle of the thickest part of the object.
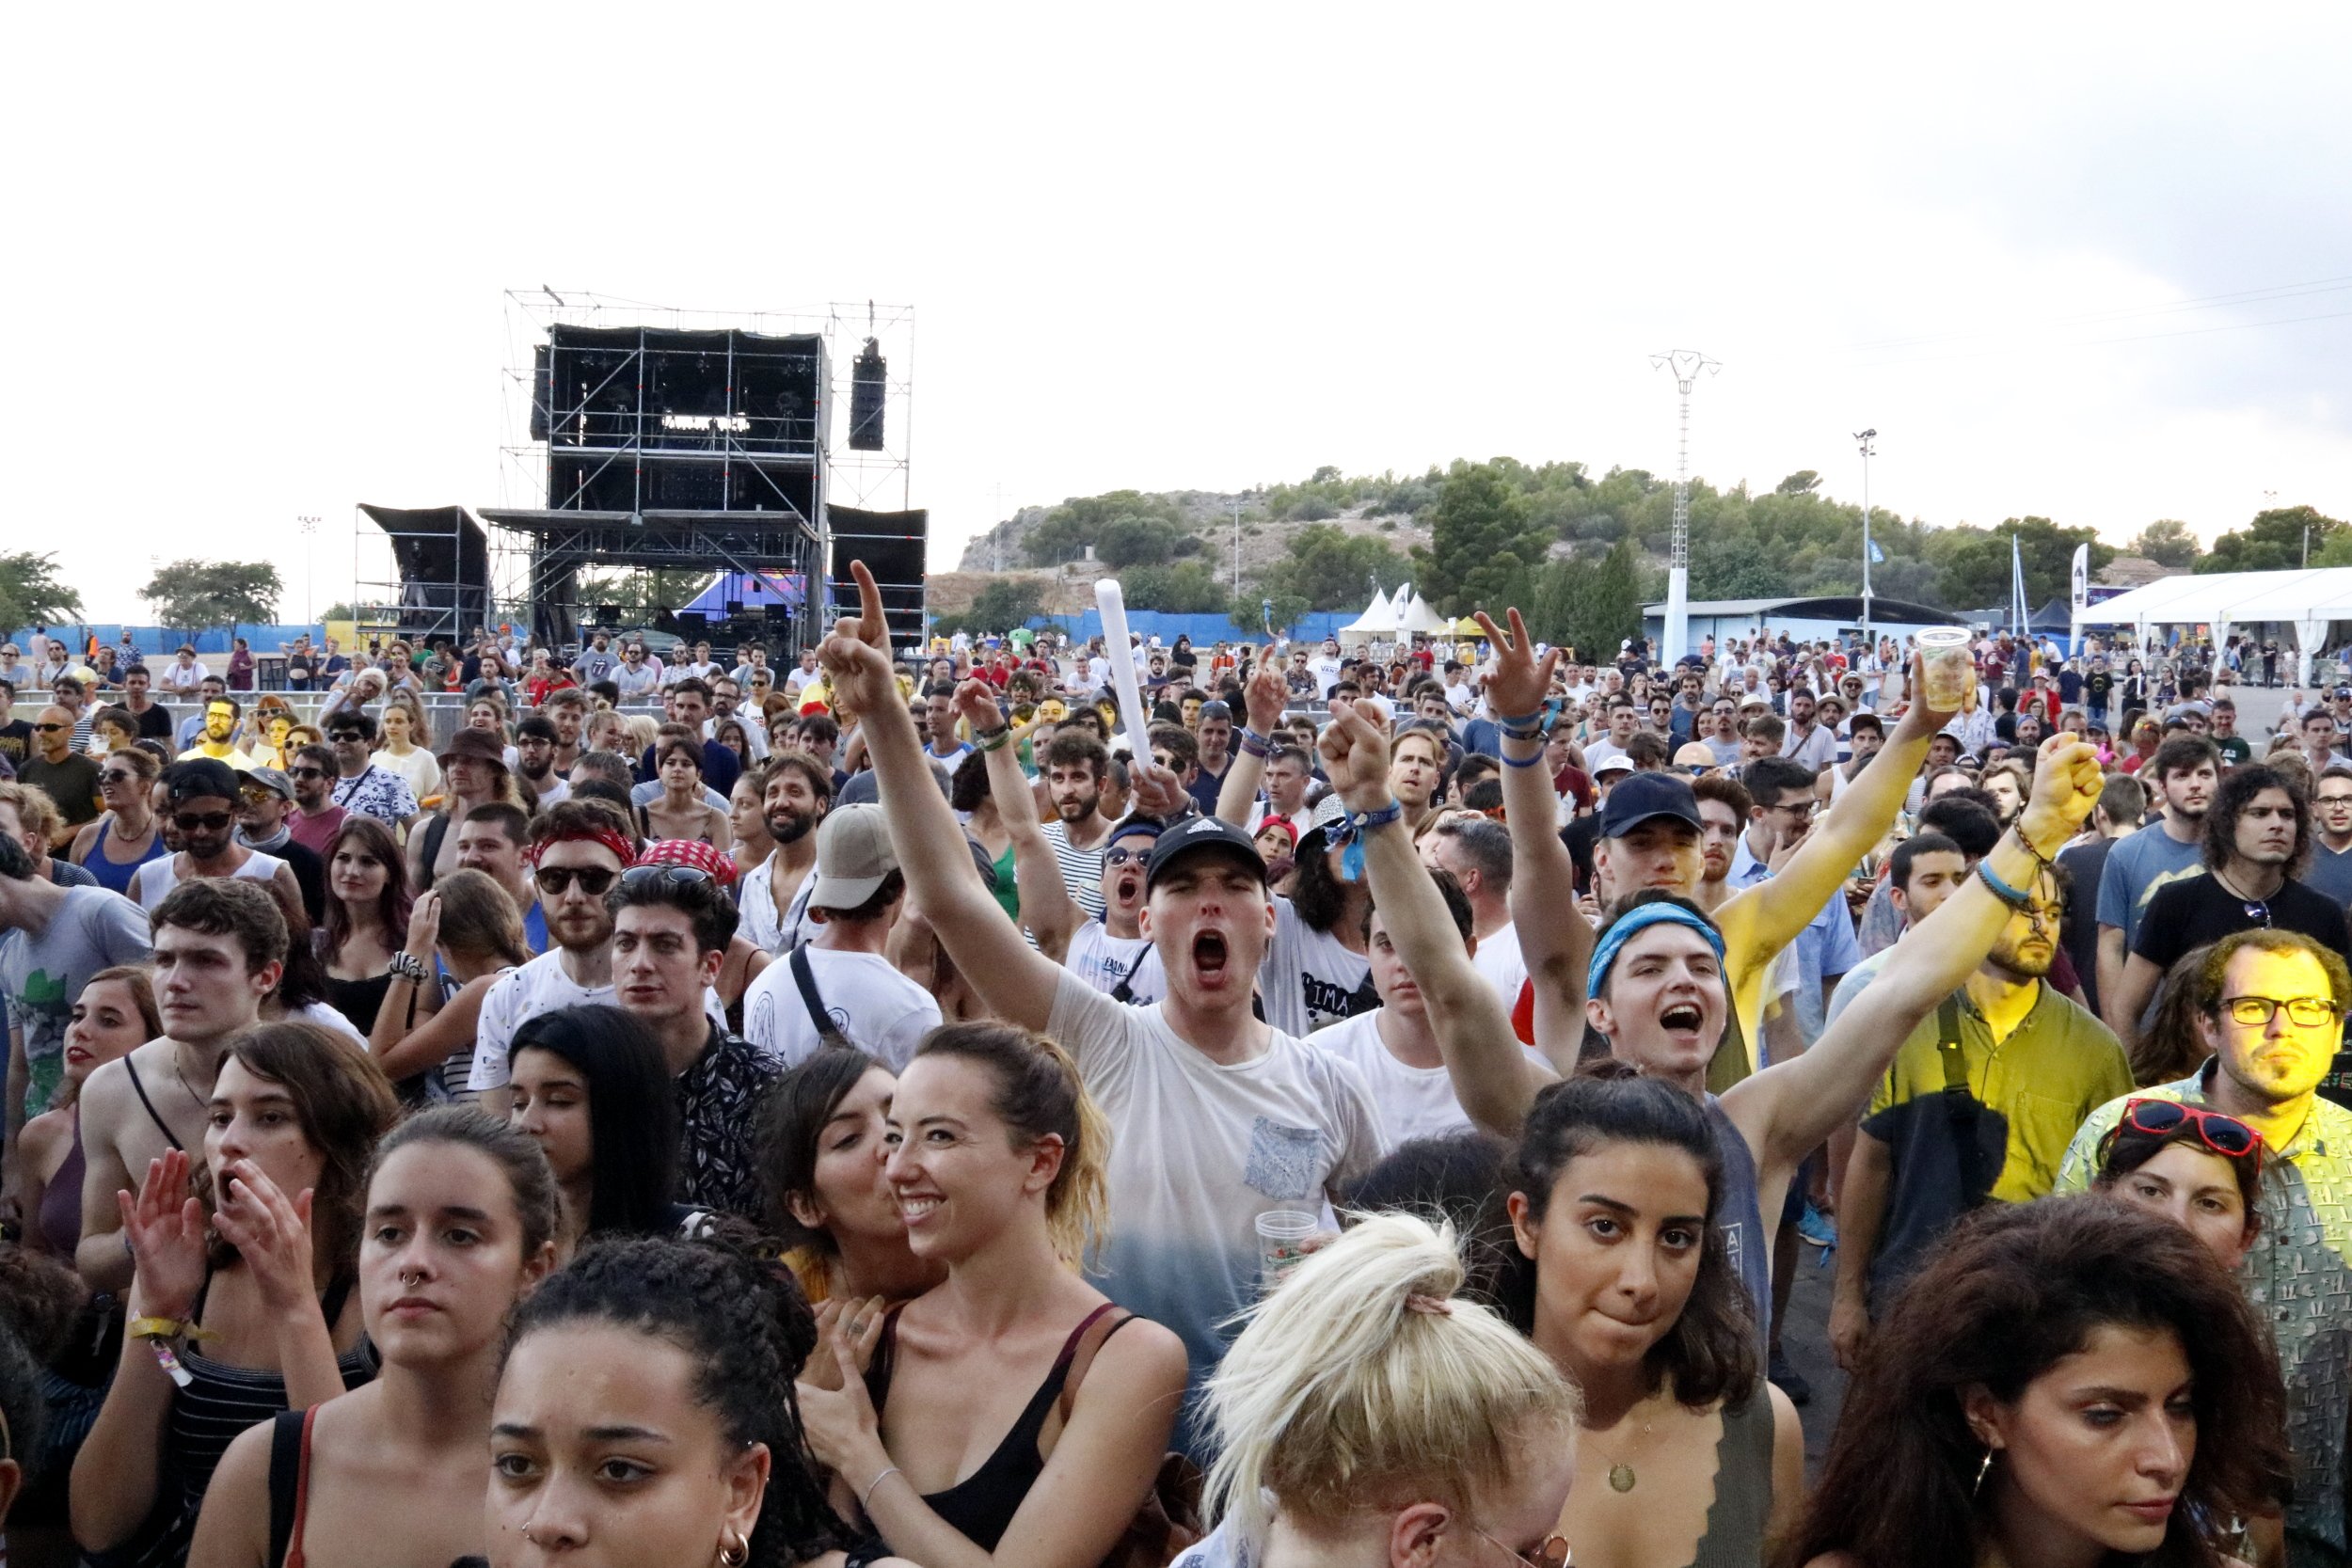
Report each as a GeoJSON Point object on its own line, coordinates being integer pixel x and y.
{"type": "Point", "coordinates": [1621, 1476]}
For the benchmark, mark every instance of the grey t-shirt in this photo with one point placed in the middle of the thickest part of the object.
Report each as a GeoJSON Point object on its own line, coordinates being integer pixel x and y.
{"type": "Point", "coordinates": [42, 973]}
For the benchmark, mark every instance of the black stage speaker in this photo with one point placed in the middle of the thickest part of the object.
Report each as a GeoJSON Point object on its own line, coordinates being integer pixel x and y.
{"type": "Point", "coordinates": [692, 624]}
{"type": "Point", "coordinates": [607, 615]}
{"type": "Point", "coordinates": [869, 386]}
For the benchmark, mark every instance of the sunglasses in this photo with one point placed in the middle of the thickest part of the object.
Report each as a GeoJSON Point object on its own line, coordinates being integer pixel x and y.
{"type": "Point", "coordinates": [2311, 1012]}
{"type": "Point", "coordinates": [208, 822]}
{"type": "Point", "coordinates": [339, 736]}
{"type": "Point", "coordinates": [1125, 857]}
{"type": "Point", "coordinates": [51, 729]}
{"type": "Point", "coordinates": [2225, 1136]}
{"type": "Point", "coordinates": [645, 876]}
{"type": "Point", "coordinates": [595, 880]}
{"type": "Point", "coordinates": [116, 776]}
{"type": "Point", "coordinates": [306, 773]}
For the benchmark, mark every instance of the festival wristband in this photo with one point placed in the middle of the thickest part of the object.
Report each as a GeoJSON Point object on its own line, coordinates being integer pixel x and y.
{"type": "Point", "coordinates": [1522, 721]}
{"type": "Point", "coordinates": [1528, 761]}
{"type": "Point", "coordinates": [2015, 899]}
{"type": "Point", "coordinates": [1254, 744]}
{"type": "Point", "coordinates": [992, 740]}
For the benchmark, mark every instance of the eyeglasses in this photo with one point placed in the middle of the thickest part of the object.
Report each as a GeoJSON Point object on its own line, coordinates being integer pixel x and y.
{"type": "Point", "coordinates": [339, 736]}
{"type": "Point", "coordinates": [2309, 1012]}
{"type": "Point", "coordinates": [645, 876]}
{"type": "Point", "coordinates": [205, 822]}
{"type": "Point", "coordinates": [116, 776]}
{"type": "Point", "coordinates": [306, 773]}
{"type": "Point", "coordinates": [1552, 1552]}
{"type": "Point", "coordinates": [595, 880]}
{"type": "Point", "coordinates": [2224, 1135]}
{"type": "Point", "coordinates": [1125, 857]}
{"type": "Point", "coordinates": [51, 729]}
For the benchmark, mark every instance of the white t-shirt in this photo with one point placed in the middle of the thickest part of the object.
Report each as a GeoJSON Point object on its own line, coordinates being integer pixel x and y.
{"type": "Point", "coordinates": [881, 1011]}
{"type": "Point", "coordinates": [1412, 1102]}
{"type": "Point", "coordinates": [1198, 1150]}
{"type": "Point", "coordinates": [1103, 960]}
{"type": "Point", "coordinates": [1498, 958]}
{"type": "Point", "coordinates": [519, 995]}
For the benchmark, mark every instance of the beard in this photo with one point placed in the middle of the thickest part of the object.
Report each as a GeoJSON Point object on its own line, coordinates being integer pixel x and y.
{"type": "Point", "coordinates": [789, 826]}
{"type": "Point", "coordinates": [1078, 808]}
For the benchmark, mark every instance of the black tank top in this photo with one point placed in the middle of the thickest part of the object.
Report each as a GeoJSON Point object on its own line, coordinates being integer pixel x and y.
{"type": "Point", "coordinates": [982, 1504]}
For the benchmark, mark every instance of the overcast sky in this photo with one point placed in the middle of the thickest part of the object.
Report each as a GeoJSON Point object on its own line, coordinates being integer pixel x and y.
{"type": "Point", "coordinates": [261, 264]}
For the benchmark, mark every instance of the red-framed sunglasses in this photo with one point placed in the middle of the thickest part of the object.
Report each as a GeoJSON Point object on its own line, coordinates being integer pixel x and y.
{"type": "Point", "coordinates": [2225, 1136]}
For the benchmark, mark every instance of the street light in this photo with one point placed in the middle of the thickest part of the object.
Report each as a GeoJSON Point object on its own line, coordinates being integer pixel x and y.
{"type": "Point", "coordinates": [1868, 441]}
{"type": "Point", "coordinates": [309, 597]}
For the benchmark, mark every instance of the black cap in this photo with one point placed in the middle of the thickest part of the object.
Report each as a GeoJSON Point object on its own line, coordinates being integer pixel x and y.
{"type": "Point", "coordinates": [1636, 799]}
{"type": "Point", "coordinates": [200, 778]}
{"type": "Point", "coordinates": [1202, 832]}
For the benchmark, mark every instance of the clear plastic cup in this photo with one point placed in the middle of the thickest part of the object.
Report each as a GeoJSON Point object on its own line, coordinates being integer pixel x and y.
{"type": "Point", "coordinates": [1951, 668]}
{"type": "Point", "coordinates": [1282, 1237]}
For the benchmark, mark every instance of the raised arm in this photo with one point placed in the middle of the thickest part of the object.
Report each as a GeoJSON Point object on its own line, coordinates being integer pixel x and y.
{"type": "Point", "coordinates": [1554, 940]}
{"type": "Point", "coordinates": [1788, 1108]}
{"type": "Point", "coordinates": [1767, 917]}
{"type": "Point", "coordinates": [1491, 1075]}
{"type": "Point", "coordinates": [1047, 910]}
{"type": "Point", "coordinates": [1016, 982]}
{"type": "Point", "coordinates": [1263, 696]}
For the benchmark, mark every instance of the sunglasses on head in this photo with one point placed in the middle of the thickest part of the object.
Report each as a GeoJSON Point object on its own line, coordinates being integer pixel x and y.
{"type": "Point", "coordinates": [645, 876]}
{"type": "Point", "coordinates": [206, 822]}
{"type": "Point", "coordinates": [2224, 1135]}
{"type": "Point", "coordinates": [595, 880]}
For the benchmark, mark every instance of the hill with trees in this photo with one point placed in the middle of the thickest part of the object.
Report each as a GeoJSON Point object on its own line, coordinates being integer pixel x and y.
{"type": "Point", "coordinates": [1580, 552]}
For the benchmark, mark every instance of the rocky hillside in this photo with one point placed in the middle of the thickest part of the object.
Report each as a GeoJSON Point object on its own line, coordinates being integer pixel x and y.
{"type": "Point", "coordinates": [1207, 514]}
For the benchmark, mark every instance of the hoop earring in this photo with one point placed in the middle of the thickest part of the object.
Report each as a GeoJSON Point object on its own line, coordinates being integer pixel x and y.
{"type": "Point", "coordinates": [736, 1554]}
{"type": "Point", "coordinates": [1974, 1491]}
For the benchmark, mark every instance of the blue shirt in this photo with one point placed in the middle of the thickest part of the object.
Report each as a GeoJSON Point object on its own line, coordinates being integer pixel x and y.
{"type": "Point", "coordinates": [2137, 866]}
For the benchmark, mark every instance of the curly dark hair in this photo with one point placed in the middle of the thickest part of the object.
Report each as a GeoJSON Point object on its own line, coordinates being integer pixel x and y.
{"type": "Point", "coordinates": [1317, 897]}
{"type": "Point", "coordinates": [744, 1326]}
{"type": "Point", "coordinates": [1709, 1354]}
{"type": "Point", "coordinates": [2229, 802]}
{"type": "Point", "coordinates": [2014, 1290]}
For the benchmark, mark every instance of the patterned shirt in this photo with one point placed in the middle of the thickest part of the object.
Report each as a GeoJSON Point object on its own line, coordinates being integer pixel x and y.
{"type": "Point", "coordinates": [379, 793]}
{"type": "Point", "coordinates": [2298, 1276]}
{"type": "Point", "coordinates": [718, 1106]}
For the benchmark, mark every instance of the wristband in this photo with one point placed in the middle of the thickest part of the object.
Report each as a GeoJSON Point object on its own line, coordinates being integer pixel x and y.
{"type": "Point", "coordinates": [1347, 834]}
{"type": "Point", "coordinates": [407, 968]}
{"type": "Point", "coordinates": [1254, 744]}
{"type": "Point", "coordinates": [992, 740]}
{"type": "Point", "coordinates": [1528, 734]}
{"type": "Point", "coordinates": [1528, 761]}
{"type": "Point", "coordinates": [1524, 721]}
{"type": "Point", "coordinates": [2013, 897]}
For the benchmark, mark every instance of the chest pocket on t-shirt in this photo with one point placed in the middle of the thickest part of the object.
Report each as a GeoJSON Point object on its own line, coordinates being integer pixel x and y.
{"type": "Point", "coordinates": [1283, 1160]}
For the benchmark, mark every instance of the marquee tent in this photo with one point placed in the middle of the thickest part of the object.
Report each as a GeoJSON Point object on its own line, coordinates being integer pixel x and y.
{"type": "Point", "coordinates": [1379, 618]}
{"type": "Point", "coordinates": [2308, 601]}
{"type": "Point", "coordinates": [1419, 619]}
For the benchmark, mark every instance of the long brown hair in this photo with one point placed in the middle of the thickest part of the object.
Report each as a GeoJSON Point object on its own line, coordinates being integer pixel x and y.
{"type": "Point", "coordinates": [2014, 1291]}
{"type": "Point", "coordinates": [344, 1103]}
{"type": "Point", "coordinates": [392, 906]}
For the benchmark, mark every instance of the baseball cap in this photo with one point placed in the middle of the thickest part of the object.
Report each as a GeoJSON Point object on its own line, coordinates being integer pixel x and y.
{"type": "Point", "coordinates": [200, 778]}
{"type": "Point", "coordinates": [1646, 796]}
{"type": "Point", "coordinates": [1200, 833]}
{"type": "Point", "coordinates": [854, 855]}
{"type": "Point", "coordinates": [272, 780]}
{"type": "Point", "coordinates": [1620, 763]}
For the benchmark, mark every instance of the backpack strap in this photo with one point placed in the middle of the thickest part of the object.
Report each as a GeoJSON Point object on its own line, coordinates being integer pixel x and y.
{"type": "Point", "coordinates": [805, 976]}
{"type": "Point", "coordinates": [287, 1482]}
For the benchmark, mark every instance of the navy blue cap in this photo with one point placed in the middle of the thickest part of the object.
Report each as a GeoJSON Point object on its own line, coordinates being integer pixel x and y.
{"type": "Point", "coordinates": [1208, 832]}
{"type": "Point", "coordinates": [1644, 795]}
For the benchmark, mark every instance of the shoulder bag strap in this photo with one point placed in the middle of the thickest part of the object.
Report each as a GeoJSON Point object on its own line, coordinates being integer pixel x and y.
{"type": "Point", "coordinates": [285, 1480]}
{"type": "Point", "coordinates": [805, 976]}
{"type": "Point", "coordinates": [1961, 1105]}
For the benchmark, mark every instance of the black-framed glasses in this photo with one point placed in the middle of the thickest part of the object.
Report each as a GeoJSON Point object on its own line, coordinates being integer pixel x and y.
{"type": "Point", "coordinates": [51, 729]}
{"type": "Point", "coordinates": [339, 736]}
{"type": "Point", "coordinates": [645, 876]}
{"type": "Point", "coordinates": [2309, 1012]}
{"type": "Point", "coordinates": [306, 773]}
{"type": "Point", "coordinates": [201, 822]}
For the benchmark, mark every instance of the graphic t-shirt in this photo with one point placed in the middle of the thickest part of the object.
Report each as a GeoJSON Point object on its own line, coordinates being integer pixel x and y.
{"type": "Point", "coordinates": [1103, 960]}
{"type": "Point", "coordinates": [41, 974]}
{"type": "Point", "coordinates": [1198, 1150]}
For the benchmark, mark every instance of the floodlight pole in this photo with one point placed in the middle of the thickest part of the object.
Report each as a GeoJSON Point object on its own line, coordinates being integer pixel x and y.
{"type": "Point", "coordinates": [310, 574]}
{"type": "Point", "coordinates": [1868, 441]}
{"type": "Point", "coordinates": [1237, 548]}
{"type": "Point", "coordinates": [1686, 364]}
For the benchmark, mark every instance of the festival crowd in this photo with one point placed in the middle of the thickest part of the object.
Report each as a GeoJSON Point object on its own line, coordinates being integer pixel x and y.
{"type": "Point", "coordinates": [897, 1108]}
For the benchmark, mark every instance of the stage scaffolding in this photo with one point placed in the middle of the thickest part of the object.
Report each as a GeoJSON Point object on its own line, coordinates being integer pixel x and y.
{"type": "Point", "coordinates": [540, 542]}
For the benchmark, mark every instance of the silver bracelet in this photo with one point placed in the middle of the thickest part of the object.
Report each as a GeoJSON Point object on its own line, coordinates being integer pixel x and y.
{"type": "Point", "coordinates": [868, 1496]}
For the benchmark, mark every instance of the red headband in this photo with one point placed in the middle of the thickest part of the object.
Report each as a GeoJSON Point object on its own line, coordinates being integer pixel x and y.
{"type": "Point", "coordinates": [610, 838]}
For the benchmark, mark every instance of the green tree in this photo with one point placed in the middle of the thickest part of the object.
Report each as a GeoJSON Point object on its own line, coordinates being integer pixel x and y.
{"type": "Point", "coordinates": [1330, 569]}
{"type": "Point", "coordinates": [2167, 543]}
{"type": "Point", "coordinates": [2273, 542]}
{"type": "Point", "coordinates": [1137, 541]}
{"type": "Point", "coordinates": [32, 594]}
{"type": "Point", "coordinates": [1974, 563]}
{"type": "Point", "coordinates": [1589, 603]}
{"type": "Point", "coordinates": [1482, 547]}
{"type": "Point", "coordinates": [1002, 604]}
{"type": "Point", "coordinates": [1803, 483]}
{"type": "Point", "coordinates": [197, 596]}
{"type": "Point", "coordinates": [1181, 588]}
{"type": "Point", "coordinates": [1067, 529]}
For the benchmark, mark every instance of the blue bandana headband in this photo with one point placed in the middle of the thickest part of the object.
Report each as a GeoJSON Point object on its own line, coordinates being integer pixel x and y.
{"type": "Point", "coordinates": [1636, 920]}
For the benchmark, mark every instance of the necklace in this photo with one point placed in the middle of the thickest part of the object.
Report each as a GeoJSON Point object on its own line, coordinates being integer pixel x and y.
{"type": "Point", "coordinates": [1621, 1475]}
{"type": "Point", "coordinates": [203, 1104]}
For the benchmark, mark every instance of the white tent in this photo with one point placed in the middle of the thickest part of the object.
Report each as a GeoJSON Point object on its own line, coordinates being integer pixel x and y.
{"type": "Point", "coordinates": [1418, 618]}
{"type": "Point", "coordinates": [2306, 599]}
{"type": "Point", "coordinates": [1379, 620]}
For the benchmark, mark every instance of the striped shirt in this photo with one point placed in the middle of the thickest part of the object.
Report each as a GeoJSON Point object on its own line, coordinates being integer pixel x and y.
{"type": "Point", "coordinates": [1081, 869]}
